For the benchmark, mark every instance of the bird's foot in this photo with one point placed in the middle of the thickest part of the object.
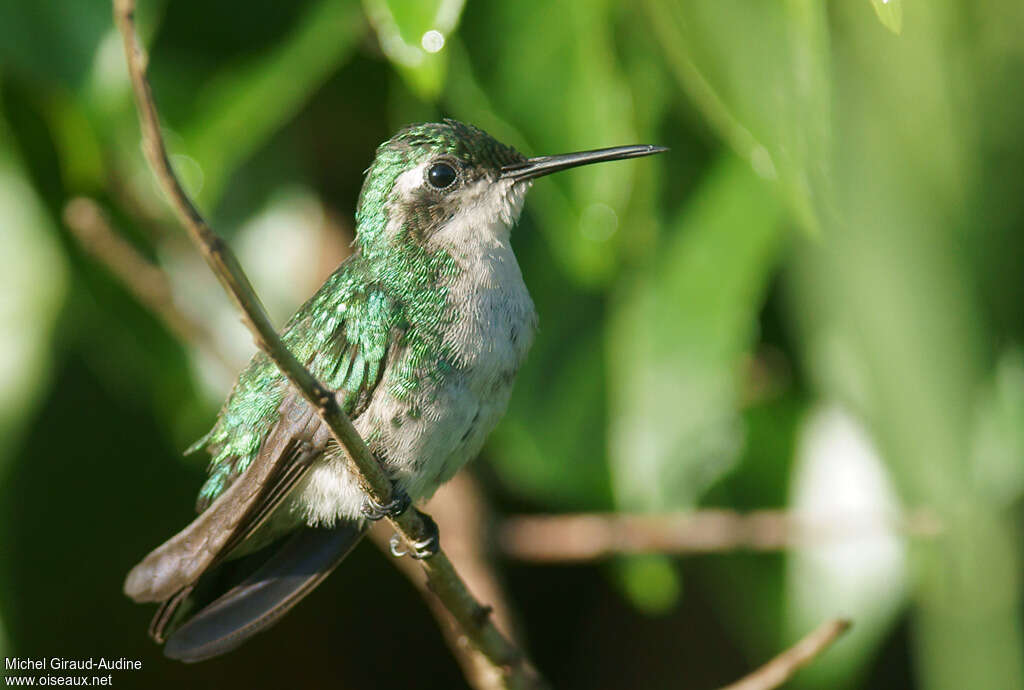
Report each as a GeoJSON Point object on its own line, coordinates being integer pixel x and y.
{"type": "Point", "coordinates": [421, 549]}
{"type": "Point", "coordinates": [375, 511]}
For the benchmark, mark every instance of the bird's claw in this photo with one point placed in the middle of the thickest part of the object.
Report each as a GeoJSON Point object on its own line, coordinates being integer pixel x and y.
{"type": "Point", "coordinates": [424, 548]}
{"type": "Point", "coordinates": [375, 511]}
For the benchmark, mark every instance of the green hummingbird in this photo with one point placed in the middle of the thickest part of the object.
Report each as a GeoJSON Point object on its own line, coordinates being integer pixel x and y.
{"type": "Point", "coordinates": [421, 332]}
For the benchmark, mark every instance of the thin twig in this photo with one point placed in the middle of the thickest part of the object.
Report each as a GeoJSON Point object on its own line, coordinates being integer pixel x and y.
{"type": "Point", "coordinates": [781, 668]}
{"type": "Point", "coordinates": [461, 512]}
{"type": "Point", "coordinates": [146, 281]}
{"type": "Point", "coordinates": [510, 665]}
{"type": "Point", "coordinates": [591, 536]}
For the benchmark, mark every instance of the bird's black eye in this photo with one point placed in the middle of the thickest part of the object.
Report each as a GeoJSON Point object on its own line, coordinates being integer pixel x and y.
{"type": "Point", "coordinates": [441, 175]}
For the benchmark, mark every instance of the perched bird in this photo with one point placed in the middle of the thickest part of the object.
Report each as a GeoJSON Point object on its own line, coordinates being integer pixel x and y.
{"type": "Point", "coordinates": [420, 331]}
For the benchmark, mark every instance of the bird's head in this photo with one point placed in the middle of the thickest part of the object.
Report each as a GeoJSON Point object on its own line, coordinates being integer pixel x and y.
{"type": "Point", "coordinates": [435, 181]}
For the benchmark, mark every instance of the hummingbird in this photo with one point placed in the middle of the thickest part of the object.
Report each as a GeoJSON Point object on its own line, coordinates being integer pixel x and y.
{"type": "Point", "coordinates": [420, 332]}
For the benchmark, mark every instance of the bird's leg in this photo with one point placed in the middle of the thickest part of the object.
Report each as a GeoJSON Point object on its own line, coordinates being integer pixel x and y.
{"type": "Point", "coordinates": [424, 548]}
{"type": "Point", "coordinates": [375, 511]}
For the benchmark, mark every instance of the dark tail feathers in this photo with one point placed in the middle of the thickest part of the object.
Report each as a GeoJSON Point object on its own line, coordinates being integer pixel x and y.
{"type": "Point", "coordinates": [262, 598]}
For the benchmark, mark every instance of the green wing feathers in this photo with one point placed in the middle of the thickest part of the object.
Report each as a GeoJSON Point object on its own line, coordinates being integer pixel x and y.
{"type": "Point", "coordinates": [341, 334]}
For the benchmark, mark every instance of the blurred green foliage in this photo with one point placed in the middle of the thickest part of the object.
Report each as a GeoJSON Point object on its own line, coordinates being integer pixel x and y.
{"type": "Point", "coordinates": [814, 300]}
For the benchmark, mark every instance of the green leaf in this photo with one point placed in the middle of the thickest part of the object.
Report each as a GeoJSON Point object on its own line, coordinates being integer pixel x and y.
{"type": "Point", "coordinates": [760, 74]}
{"type": "Point", "coordinates": [32, 284]}
{"type": "Point", "coordinates": [675, 338]}
{"type": "Point", "coordinates": [245, 105]}
{"type": "Point", "coordinates": [890, 13]}
{"type": "Point", "coordinates": [998, 439]}
{"type": "Point", "coordinates": [676, 334]}
{"type": "Point", "coordinates": [413, 35]}
{"type": "Point", "coordinates": [82, 157]}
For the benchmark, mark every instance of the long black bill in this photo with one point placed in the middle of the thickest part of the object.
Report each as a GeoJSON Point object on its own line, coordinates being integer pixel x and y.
{"type": "Point", "coordinates": [545, 165]}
